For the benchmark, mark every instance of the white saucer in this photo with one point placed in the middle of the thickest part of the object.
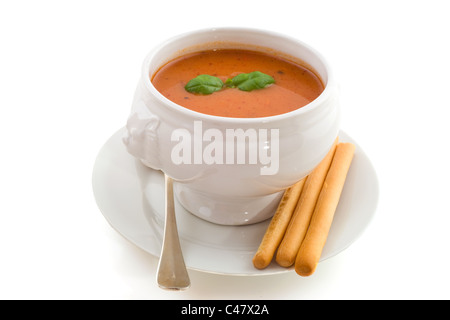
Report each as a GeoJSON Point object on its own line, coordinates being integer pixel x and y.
{"type": "Point", "coordinates": [131, 198]}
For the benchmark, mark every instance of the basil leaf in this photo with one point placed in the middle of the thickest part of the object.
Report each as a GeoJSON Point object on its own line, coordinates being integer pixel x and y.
{"type": "Point", "coordinates": [204, 84]}
{"type": "Point", "coordinates": [250, 81]}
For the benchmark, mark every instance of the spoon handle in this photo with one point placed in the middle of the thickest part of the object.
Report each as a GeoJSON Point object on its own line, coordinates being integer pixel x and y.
{"type": "Point", "coordinates": [172, 273]}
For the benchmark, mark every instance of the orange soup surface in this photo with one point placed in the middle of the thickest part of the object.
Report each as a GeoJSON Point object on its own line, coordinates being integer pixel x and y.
{"type": "Point", "coordinates": [295, 86]}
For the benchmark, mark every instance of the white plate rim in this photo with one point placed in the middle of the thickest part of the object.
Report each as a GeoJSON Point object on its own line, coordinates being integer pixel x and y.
{"type": "Point", "coordinates": [118, 189]}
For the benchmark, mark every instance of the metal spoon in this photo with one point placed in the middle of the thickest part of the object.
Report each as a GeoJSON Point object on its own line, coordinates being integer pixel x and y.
{"type": "Point", "coordinates": [172, 273]}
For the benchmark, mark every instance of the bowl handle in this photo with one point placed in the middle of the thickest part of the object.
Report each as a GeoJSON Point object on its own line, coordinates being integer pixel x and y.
{"type": "Point", "coordinates": [141, 137]}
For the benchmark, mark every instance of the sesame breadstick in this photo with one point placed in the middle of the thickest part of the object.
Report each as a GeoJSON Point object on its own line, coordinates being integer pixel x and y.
{"type": "Point", "coordinates": [299, 223]}
{"type": "Point", "coordinates": [311, 249]}
{"type": "Point", "coordinates": [277, 227]}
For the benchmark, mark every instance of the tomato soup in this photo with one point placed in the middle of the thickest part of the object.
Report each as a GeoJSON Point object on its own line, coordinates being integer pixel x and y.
{"type": "Point", "coordinates": [295, 86]}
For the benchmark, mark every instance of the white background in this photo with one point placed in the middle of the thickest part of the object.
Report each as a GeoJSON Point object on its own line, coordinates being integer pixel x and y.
{"type": "Point", "coordinates": [68, 70]}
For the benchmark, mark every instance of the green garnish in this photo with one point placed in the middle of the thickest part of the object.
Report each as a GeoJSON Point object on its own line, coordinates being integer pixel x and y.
{"type": "Point", "coordinates": [250, 81]}
{"type": "Point", "coordinates": [206, 84]}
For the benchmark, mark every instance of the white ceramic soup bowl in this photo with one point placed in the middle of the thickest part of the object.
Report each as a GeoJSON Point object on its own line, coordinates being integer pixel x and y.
{"type": "Point", "coordinates": [231, 171]}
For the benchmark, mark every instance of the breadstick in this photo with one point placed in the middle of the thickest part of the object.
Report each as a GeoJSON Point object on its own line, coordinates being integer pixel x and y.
{"type": "Point", "coordinates": [299, 223]}
{"type": "Point", "coordinates": [277, 227]}
{"type": "Point", "coordinates": [311, 249]}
